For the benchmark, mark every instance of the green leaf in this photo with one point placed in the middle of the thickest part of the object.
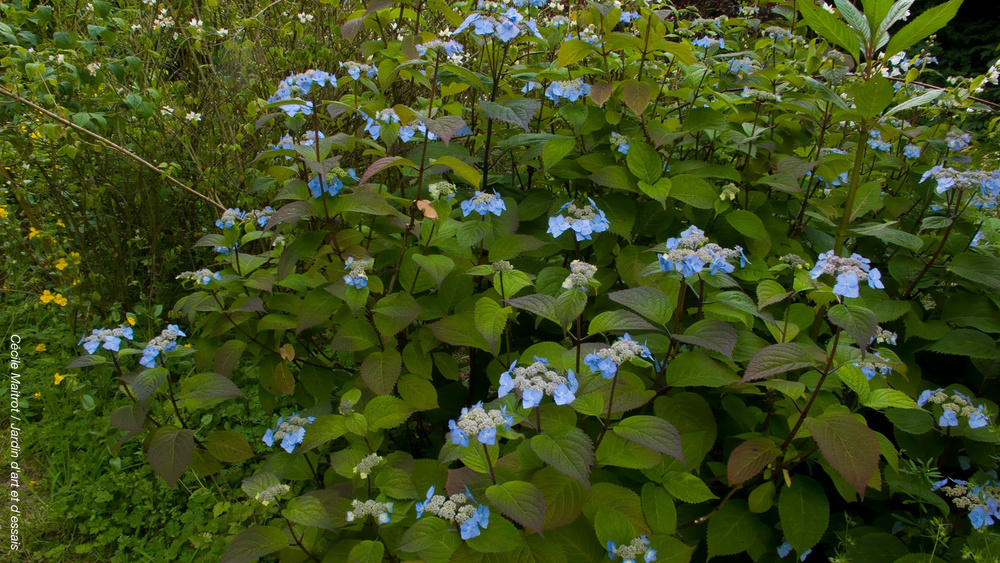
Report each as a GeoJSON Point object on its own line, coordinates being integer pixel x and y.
{"type": "Point", "coordinates": [884, 398]}
{"type": "Point", "coordinates": [227, 356]}
{"type": "Point", "coordinates": [770, 292]}
{"type": "Point", "coordinates": [556, 149]}
{"type": "Point", "coordinates": [686, 487]}
{"type": "Point", "coordinates": [325, 428]}
{"type": "Point", "coordinates": [636, 95]}
{"type": "Point", "coordinates": [436, 265]}
{"type": "Point", "coordinates": [732, 529]}
{"type": "Point", "coordinates": [515, 111]}
{"type": "Point", "coordinates": [537, 303]}
{"type": "Point", "coordinates": [228, 446]}
{"type": "Point", "coordinates": [253, 543]}
{"type": "Point", "coordinates": [395, 312]}
{"type": "Point", "coordinates": [965, 342]}
{"type": "Point", "coordinates": [86, 361]}
{"type": "Point", "coordinates": [395, 483]}
{"type": "Point", "coordinates": [922, 27]}
{"type": "Point", "coordinates": [693, 191]}
{"type": "Point", "coordinates": [750, 458]}
{"type": "Point", "coordinates": [830, 28]}
{"type": "Point", "coordinates": [147, 383]}
{"type": "Point", "coordinates": [851, 447]}
{"type": "Point", "coordinates": [775, 359]}
{"type": "Point", "coordinates": [856, 321]}
{"type": "Point", "coordinates": [367, 551]}
{"type": "Point", "coordinates": [569, 305]}
{"type": "Point", "coordinates": [520, 501]}
{"type": "Point", "coordinates": [717, 336]}
{"type": "Point", "coordinates": [617, 320]}
{"type": "Point", "coordinates": [748, 224]}
{"type": "Point", "coordinates": [386, 412]}
{"type": "Point", "coordinates": [980, 268]}
{"type": "Point", "coordinates": [652, 432]}
{"type": "Point", "coordinates": [304, 245]}
{"type": "Point", "coordinates": [804, 512]}
{"type": "Point", "coordinates": [697, 369]}
{"type": "Point", "coordinates": [854, 19]}
{"type": "Point", "coordinates": [658, 191]}
{"type": "Point", "coordinates": [499, 537]}
{"type": "Point", "coordinates": [568, 450]}
{"type": "Point", "coordinates": [564, 497]}
{"type": "Point", "coordinates": [645, 162]}
{"type": "Point", "coordinates": [873, 96]}
{"type": "Point", "coordinates": [468, 173]}
{"type": "Point", "coordinates": [458, 330]}
{"type": "Point", "coordinates": [381, 369]}
{"type": "Point", "coordinates": [417, 392]}
{"type": "Point", "coordinates": [573, 50]}
{"type": "Point", "coordinates": [647, 301]}
{"type": "Point", "coordinates": [491, 319]}
{"type": "Point", "coordinates": [170, 451]}
{"type": "Point", "coordinates": [611, 525]}
{"type": "Point", "coordinates": [433, 539]}
{"type": "Point", "coordinates": [658, 507]}
{"type": "Point", "coordinates": [307, 511]}
{"type": "Point", "coordinates": [761, 499]}
{"type": "Point", "coordinates": [206, 389]}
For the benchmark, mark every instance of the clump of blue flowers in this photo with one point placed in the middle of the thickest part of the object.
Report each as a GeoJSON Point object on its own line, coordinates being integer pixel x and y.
{"type": "Point", "coordinates": [629, 553]}
{"type": "Point", "coordinates": [165, 342]}
{"type": "Point", "coordinates": [356, 278]}
{"type": "Point", "coordinates": [480, 423]}
{"type": "Point", "coordinates": [606, 360]}
{"type": "Point", "coordinates": [786, 548]}
{"type": "Point", "coordinates": [109, 339]}
{"type": "Point", "coordinates": [229, 218]}
{"type": "Point", "coordinates": [203, 276]}
{"type": "Point", "coordinates": [987, 182]}
{"type": "Point", "coordinates": [982, 501]}
{"type": "Point", "coordinates": [291, 88]}
{"type": "Point", "coordinates": [450, 48]}
{"type": "Point", "coordinates": [483, 203]}
{"type": "Point", "coordinates": [912, 151]}
{"type": "Point", "coordinates": [954, 405]}
{"type": "Point", "coordinates": [875, 141]}
{"type": "Point", "coordinates": [619, 142]}
{"type": "Point", "coordinates": [742, 66]}
{"type": "Point", "coordinates": [956, 140]}
{"type": "Point", "coordinates": [505, 27]}
{"type": "Point", "coordinates": [354, 70]}
{"type": "Point", "coordinates": [849, 271]}
{"type": "Point", "coordinates": [571, 90]}
{"type": "Point", "coordinates": [290, 431]}
{"type": "Point", "coordinates": [706, 42]}
{"type": "Point", "coordinates": [536, 381]}
{"type": "Point", "coordinates": [584, 220]}
{"type": "Point", "coordinates": [692, 253]}
{"type": "Point", "coordinates": [460, 508]}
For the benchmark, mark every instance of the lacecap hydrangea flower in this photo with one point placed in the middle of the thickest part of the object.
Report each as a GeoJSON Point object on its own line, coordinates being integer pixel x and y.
{"type": "Point", "coordinates": [571, 90]}
{"type": "Point", "coordinates": [871, 369]}
{"type": "Point", "coordinates": [705, 42]}
{"type": "Point", "coordinates": [875, 141]}
{"type": "Point", "coordinates": [290, 432]}
{"type": "Point", "coordinates": [692, 253]}
{"type": "Point", "coordinates": [379, 510]}
{"type": "Point", "coordinates": [606, 360]}
{"type": "Point", "coordinates": [584, 221]}
{"type": "Point", "coordinates": [581, 276]}
{"type": "Point", "coordinates": [357, 278]}
{"type": "Point", "coordinates": [484, 203]}
{"type": "Point", "coordinates": [459, 508]}
{"type": "Point", "coordinates": [203, 276]}
{"type": "Point", "coordinates": [109, 339]}
{"type": "Point", "coordinates": [354, 70]}
{"type": "Point", "coordinates": [619, 142]}
{"type": "Point", "coordinates": [165, 342]}
{"type": "Point", "coordinates": [954, 405]}
{"type": "Point", "coordinates": [441, 189]}
{"type": "Point", "coordinates": [292, 87]}
{"type": "Point", "coordinates": [229, 218]}
{"type": "Point", "coordinates": [450, 48]}
{"type": "Point", "coordinates": [536, 381]}
{"type": "Point", "coordinates": [912, 151]}
{"type": "Point", "coordinates": [982, 501]}
{"type": "Point", "coordinates": [505, 27]}
{"type": "Point", "coordinates": [849, 271]}
{"type": "Point", "coordinates": [480, 423]}
{"type": "Point", "coordinates": [629, 553]}
{"type": "Point", "coordinates": [987, 181]}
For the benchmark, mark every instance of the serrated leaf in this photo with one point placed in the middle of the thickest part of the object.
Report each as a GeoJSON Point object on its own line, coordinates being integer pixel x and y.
{"type": "Point", "coordinates": [468, 173]}
{"type": "Point", "coordinates": [612, 526]}
{"type": "Point", "coordinates": [856, 321]}
{"type": "Point", "coordinates": [805, 513]}
{"type": "Point", "coordinates": [86, 361]}
{"type": "Point", "coordinates": [515, 111]}
{"type": "Point", "coordinates": [572, 51]}
{"type": "Point", "coordinates": [520, 501]}
{"type": "Point", "coordinates": [307, 511]}
{"type": "Point", "coordinates": [884, 398]}
{"type": "Point", "coordinates": [491, 319]}
{"type": "Point", "coordinates": [228, 446]}
{"type": "Point", "coordinates": [687, 487]}
{"type": "Point", "coordinates": [395, 483]}
{"type": "Point", "coordinates": [317, 307]}
{"type": "Point", "coordinates": [395, 312]}
{"type": "Point", "coordinates": [748, 224]}
{"type": "Point", "coordinates": [367, 551]}
{"type": "Point", "coordinates": [564, 497]}
{"type": "Point", "coordinates": [637, 96]}
{"type": "Point", "coordinates": [717, 336]}
{"type": "Point", "coordinates": [731, 530]}
{"type": "Point", "coordinates": [568, 450]}
{"type": "Point", "coordinates": [437, 265]}
{"type": "Point", "coordinates": [750, 458]}
{"type": "Point", "coordinates": [980, 268]}
{"type": "Point", "coordinates": [830, 28]}
{"type": "Point", "coordinates": [697, 369]}
{"type": "Point", "coordinates": [647, 301]}
{"type": "Point", "coordinates": [922, 26]}
{"type": "Point", "coordinates": [658, 507]}
{"type": "Point", "coordinates": [253, 543]}
{"type": "Point", "coordinates": [652, 432]}
{"type": "Point", "coordinates": [965, 342]}
{"type": "Point", "coordinates": [381, 369]}
{"type": "Point", "coordinates": [851, 447]}
{"type": "Point", "coordinates": [617, 320]}
{"type": "Point", "coordinates": [645, 162]}
{"type": "Point", "coordinates": [433, 539]}
{"type": "Point", "coordinates": [386, 412]}
{"type": "Point", "coordinates": [774, 359]}
{"type": "Point", "coordinates": [325, 428]}
{"type": "Point", "coordinates": [693, 191]}
{"type": "Point", "coordinates": [206, 389]}
{"type": "Point", "coordinates": [227, 356]}
{"type": "Point", "coordinates": [499, 537]}
{"type": "Point", "coordinates": [556, 149]}
{"type": "Point", "coordinates": [770, 292]}
{"type": "Point", "coordinates": [170, 451]}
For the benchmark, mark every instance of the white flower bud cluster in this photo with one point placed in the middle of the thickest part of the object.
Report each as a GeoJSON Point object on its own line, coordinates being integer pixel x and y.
{"type": "Point", "coordinates": [633, 550]}
{"type": "Point", "coordinates": [442, 189]}
{"type": "Point", "coordinates": [794, 260]}
{"type": "Point", "coordinates": [581, 274]}
{"type": "Point", "coordinates": [346, 407]}
{"type": "Point", "coordinates": [501, 267]}
{"type": "Point", "coordinates": [537, 377]}
{"type": "Point", "coordinates": [585, 213]}
{"type": "Point", "coordinates": [167, 340]}
{"type": "Point", "coordinates": [729, 191]}
{"type": "Point", "coordinates": [884, 336]}
{"type": "Point", "coordinates": [290, 425]}
{"type": "Point", "coordinates": [622, 351]}
{"type": "Point", "coordinates": [379, 510]}
{"type": "Point", "coordinates": [365, 466]}
{"type": "Point", "coordinates": [759, 95]}
{"type": "Point", "coordinates": [458, 508]}
{"type": "Point", "coordinates": [270, 494]}
{"type": "Point", "coordinates": [828, 263]}
{"type": "Point", "coordinates": [475, 420]}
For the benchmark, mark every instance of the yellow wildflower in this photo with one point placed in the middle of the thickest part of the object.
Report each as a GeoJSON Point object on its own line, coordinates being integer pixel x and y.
{"type": "Point", "coordinates": [40, 348]}
{"type": "Point", "coordinates": [59, 378]}
{"type": "Point", "coordinates": [3, 212]}
{"type": "Point", "coordinates": [61, 264]}
{"type": "Point", "coordinates": [60, 300]}
{"type": "Point", "coordinates": [75, 257]}
{"type": "Point", "coordinates": [187, 345]}
{"type": "Point", "coordinates": [131, 319]}
{"type": "Point", "coordinates": [46, 297]}
{"type": "Point", "coordinates": [32, 233]}
{"type": "Point", "coordinates": [38, 395]}
{"type": "Point", "coordinates": [60, 223]}
{"type": "Point", "coordinates": [33, 483]}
